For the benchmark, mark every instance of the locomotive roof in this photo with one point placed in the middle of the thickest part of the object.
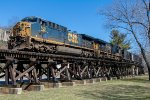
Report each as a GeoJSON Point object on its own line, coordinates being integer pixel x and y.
{"type": "Point", "coordinates": [93, 39]}
{"type": "Point", "coordinates": [34, 19]}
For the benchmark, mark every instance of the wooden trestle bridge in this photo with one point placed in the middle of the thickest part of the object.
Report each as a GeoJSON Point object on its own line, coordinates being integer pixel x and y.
{"type": "Point", "coordinates": [20, 66]}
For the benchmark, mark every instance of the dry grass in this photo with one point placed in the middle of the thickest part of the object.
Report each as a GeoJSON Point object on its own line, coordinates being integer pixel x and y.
{"type": "Point", "coordinates": [128, 89]}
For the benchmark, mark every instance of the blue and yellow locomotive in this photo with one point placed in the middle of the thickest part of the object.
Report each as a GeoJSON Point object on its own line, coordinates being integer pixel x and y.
{"type": "Point", "coordinates": [38, 35]}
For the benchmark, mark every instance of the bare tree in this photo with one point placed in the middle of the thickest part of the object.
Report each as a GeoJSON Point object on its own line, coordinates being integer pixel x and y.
{"type": "Point", "coordinates": [133, 16]}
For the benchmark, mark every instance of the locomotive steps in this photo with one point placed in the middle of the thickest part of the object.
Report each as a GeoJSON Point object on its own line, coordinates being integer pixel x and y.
{"type": "Point", "coordinates": [48, 85]}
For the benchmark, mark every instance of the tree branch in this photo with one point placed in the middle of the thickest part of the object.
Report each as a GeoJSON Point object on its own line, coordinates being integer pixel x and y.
{"type": "Point", "coordinates": [147, 13]}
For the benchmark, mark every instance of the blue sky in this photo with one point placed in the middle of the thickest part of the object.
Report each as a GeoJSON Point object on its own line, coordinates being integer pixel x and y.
{"type": "Point", "coordinates": [77, 15]}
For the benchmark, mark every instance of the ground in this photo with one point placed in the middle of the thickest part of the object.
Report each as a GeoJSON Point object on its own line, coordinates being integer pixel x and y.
{"type": "Point", "coordinates": [137, 88]}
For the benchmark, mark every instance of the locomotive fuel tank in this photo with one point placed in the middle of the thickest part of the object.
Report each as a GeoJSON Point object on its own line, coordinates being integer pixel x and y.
{"type": "Point", "coordinates": [68, 50]}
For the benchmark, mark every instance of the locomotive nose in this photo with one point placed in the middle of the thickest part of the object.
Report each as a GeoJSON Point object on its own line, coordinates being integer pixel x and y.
{"type": "Point", "coordinates": [22, 29]}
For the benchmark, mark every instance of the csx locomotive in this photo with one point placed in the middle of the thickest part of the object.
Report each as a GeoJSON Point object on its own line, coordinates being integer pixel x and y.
{"type": "Point", "coordinates": [37, 35]}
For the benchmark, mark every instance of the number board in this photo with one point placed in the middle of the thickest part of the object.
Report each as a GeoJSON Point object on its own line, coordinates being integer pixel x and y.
{"type": "Point", "coordinates": [43, 29]}
{"type": "Point", "coordinates": [72, 38]}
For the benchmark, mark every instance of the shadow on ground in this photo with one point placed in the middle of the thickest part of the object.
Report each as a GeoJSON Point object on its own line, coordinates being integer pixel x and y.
{"type": "Point", "coordinates": [139, 80]}
{"type": "Point", "coordinates": [119, 92]}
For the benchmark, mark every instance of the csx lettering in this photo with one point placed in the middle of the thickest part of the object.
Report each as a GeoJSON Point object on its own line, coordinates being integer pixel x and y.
{"type": "Point", "coordinates": [72, 38]}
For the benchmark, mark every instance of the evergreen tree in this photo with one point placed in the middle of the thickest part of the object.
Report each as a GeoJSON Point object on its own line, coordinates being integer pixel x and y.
{"type": "Point", "coordinates": [119, 39]}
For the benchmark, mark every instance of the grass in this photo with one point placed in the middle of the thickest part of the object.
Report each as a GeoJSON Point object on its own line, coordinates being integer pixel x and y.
{"type": "Point", "coordinates": [137, 88]}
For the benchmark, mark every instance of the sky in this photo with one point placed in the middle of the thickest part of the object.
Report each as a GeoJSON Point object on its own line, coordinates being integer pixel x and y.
{"type": "Point", "coordinates": [77, 15]}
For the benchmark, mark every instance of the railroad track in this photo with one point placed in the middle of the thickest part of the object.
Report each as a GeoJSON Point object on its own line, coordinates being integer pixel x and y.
{"type": "Point", "coordinates": [24, 54]}
{"type": "Point", "coordinates": [4, 54]}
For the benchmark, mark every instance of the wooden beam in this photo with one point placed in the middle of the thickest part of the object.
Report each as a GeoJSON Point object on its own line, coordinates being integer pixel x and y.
{"type": "Point", "coordinates": [48, 73]}
{"type": "Point", "coordinates": [61, 71]}
{"type": "Point", "coordinates": [24, 75]}
{"type": "Point", "coordinates": [78, 77]}
{"type": "Point", "coordinates": [6, 65]}
{"type": "Point", "coordinates": [52, 72]}
{"type": "Point", "coordinates": [44, 71]}
{"type": "Point", "coordinates": [88, 73]}
{"type": "Point", "coordinates": [68, 74]}
{"type": "Point", "coordinates": [12, 74]}
{"type": "Point", "coordinates": [35, 76]}
{"type": "Point", "coordinates": [99, 68]}
{"type": "Point", "coordinates": [40, 71]}
{"type": "Point", "coordinates": [109, 70]}
{"type": "Point", "coordinates": [79, 70]}
{"type": "Point", "coordinates": [84, 69]}
{"type": "Point", "coordinates": [26, 71]}
{"type": "Point", "coordinates": [63, 75]}
{"type": "Point", "coordinates": [94, 71]}
{"type": "Point", "coordinates": [6, 76]}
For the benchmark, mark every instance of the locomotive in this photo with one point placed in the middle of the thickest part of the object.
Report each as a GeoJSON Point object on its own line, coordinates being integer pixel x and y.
{"type": "Point", "coordinates": [37, 35]}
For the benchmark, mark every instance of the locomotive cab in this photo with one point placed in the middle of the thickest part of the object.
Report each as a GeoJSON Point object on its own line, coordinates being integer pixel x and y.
{"type": "Point", "coordinates": [22, 29]}
{"type": "Point", "coordinates": [21, 32]}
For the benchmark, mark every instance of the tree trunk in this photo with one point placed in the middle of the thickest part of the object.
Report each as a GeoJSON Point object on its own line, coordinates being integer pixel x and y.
{"type": "Point", "coordinates": [146, 60]}
{"type": "Point", "coordinates": [141, 48]}
{"type": "Point", "coordinates": [149, 73]}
